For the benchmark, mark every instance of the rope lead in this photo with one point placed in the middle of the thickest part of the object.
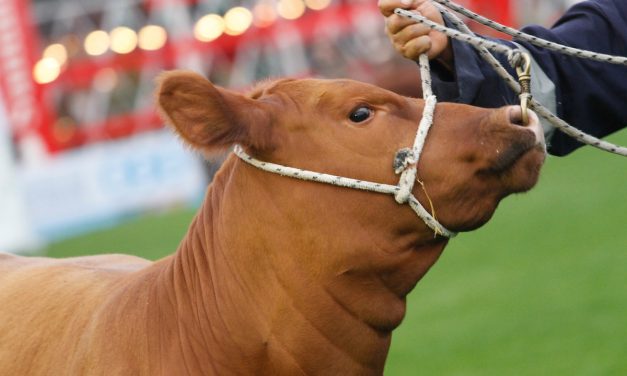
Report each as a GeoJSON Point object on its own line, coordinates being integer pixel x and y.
{"type": "Point", "coordinates": [483, 45]}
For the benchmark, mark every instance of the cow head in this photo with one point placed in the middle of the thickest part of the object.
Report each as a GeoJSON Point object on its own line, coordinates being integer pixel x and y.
{"type": "Point", "coordinates": [472, 159]}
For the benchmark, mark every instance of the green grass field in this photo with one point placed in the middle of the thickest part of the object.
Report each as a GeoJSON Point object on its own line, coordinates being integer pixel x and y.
{"type": "Point", "coordinates": [540, 290]}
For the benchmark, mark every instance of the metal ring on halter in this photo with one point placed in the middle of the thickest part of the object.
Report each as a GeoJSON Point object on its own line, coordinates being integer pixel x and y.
{"type": "Point", "coordinates": [524, 78]}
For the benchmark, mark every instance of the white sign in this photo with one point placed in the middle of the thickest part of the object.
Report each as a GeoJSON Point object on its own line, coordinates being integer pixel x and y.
{"type": "Point", "coordinates": [15, 235]}
{"type": "Point", "coordinates": [99, 184]}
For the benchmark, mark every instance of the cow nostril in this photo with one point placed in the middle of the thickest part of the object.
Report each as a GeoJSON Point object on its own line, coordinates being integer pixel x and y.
{"type": "Point", "coordinates": [515, 115]}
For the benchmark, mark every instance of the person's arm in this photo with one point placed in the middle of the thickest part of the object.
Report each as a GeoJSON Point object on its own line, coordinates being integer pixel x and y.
{"type": "Point", "coordinates": [589, 95]}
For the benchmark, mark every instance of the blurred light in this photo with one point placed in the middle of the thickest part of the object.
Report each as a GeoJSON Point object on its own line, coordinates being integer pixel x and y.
{"type": "Point", "coordinates": [237, 20]}
{"type": "Point", "coordinates": [209, 27]}
{"type": "Point", "coordinates": [291, 9]}
{"type": "Point", "coordinates": [72, 44]}
{"type": "Point", "coordinates": [97, 43]}
{"type": "Point", "coordinates": [317, 4]}
{"type": "Point", "coordinates": [64, 129]}
{"type": "Point", "coordinates": [105, 80]}
{"type": "Point", "coordinates": [152, 37]}
{"type": "Point", "coordinates": [46, 70]}
{"type": "Point", "coordinates": [265, 15]}
{"type": "Point", "coordinates": [123, 40]}
{"type": "Point", "coordinates": [56, 51]}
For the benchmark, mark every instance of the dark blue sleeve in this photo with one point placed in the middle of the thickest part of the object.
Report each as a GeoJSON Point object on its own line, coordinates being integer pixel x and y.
{"type": "Point", "coordinates": [591, 96]}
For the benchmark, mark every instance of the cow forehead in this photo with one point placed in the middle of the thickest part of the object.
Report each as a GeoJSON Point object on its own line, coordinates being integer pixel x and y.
{"type": "Point", "coordinates": [332, 90]}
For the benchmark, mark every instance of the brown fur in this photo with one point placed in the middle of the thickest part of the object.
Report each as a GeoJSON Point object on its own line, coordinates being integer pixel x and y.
{"type": "Point", "coordinates": [275, 276]}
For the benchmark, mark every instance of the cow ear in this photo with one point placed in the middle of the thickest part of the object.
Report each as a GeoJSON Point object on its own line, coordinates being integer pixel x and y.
{"type": "Point", "coordinates": [210, 118]}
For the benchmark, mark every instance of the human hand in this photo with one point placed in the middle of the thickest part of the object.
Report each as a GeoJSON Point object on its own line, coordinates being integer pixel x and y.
{"type": "Point", "coordinates": [412, 39]}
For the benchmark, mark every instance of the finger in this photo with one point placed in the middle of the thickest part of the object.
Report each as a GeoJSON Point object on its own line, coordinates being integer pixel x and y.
{"type": "Point", "coordinates": [410, 32]}
{"type": "Point", "coordinates": [416, 47]}
{"type": "Point", "coordinates": [396, 23]}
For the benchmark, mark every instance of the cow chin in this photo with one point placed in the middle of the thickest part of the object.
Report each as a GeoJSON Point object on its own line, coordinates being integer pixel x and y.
{"type": "Point", "coordinates": [521, 176]}
{"type": "Point", "coordinates": [525, 171]}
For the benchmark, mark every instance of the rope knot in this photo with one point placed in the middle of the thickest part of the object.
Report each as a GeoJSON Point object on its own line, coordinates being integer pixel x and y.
{"type": "Point", "coordinates": [405, 164]}
{"type": "Point", "coordinates": [404, 158]}
{"type": "Point", "coordinates": [515, 58]}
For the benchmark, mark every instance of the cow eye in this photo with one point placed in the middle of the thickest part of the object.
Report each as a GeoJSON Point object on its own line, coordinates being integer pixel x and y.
{"type": "Point", "coordinates": [360, 114]}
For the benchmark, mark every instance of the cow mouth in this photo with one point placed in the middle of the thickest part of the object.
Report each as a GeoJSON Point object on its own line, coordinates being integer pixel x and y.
{"type": "Point", "coordinates": [509, 157]}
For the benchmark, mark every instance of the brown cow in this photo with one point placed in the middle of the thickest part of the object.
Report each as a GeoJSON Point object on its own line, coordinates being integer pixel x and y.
{"type": "Point", "coordinates": [275, 276]}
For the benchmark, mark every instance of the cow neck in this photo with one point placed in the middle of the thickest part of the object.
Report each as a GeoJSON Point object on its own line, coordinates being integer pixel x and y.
{"type": "Point", "coordinates": [257, 289]}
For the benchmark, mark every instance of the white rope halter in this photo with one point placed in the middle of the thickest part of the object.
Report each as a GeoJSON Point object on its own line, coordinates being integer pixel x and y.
{"type": "Point", "coordinates": [405, 163]}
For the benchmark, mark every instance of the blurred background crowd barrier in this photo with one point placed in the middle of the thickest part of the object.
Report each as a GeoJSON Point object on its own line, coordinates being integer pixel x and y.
{"type": "Point", "coordinates": [80, 143]}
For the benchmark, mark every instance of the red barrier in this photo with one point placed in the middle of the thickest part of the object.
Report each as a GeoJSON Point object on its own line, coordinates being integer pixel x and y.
{"type": "Point", "coordinates": [30, 105]}
{"type": "Point", "coordinates": [498, 10]}
{"type": "Point", "coordinates": [25, 105]}
{"type": "Point", "coordinates": [80, 74]}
